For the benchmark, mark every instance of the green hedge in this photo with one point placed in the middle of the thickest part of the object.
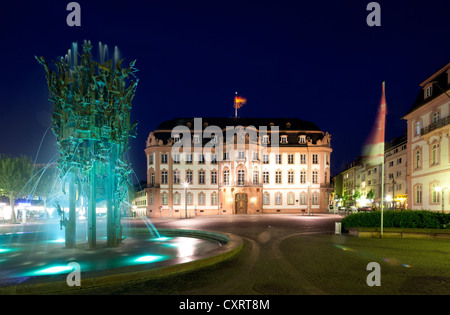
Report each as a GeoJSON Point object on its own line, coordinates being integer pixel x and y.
{"type": "Point", "coordinates": [422, 219]}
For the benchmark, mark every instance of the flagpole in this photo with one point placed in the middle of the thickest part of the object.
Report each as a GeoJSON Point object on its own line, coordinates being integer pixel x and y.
{"type": "Point", "coordinates": [382, 192]}
{"type": "Point", "coordinates": [382, 174]}
{"type": "Point", "coordinates": [235, 105]}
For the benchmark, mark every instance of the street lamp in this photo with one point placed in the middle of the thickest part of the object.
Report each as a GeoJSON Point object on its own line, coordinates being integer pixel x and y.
{"type": "Point", "coordinates": [186, 185]}
{"type": "Point", "coordinates": [308, 184]}
{"type": "Point", "coordinates": [441, 189]}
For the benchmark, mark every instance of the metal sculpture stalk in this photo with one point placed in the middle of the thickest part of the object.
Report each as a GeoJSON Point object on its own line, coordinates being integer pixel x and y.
{"type": "Point", "coordinates": [92, 104]}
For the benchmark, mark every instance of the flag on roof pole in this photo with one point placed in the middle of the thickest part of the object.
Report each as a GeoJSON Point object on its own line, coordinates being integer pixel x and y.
{"type": "Point", "coordinates": [373, 151]}
{"type": "Point", "coordinates": [239, 101]}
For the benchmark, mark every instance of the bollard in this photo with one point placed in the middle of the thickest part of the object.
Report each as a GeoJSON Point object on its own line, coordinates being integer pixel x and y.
{"type": "Point", "coordinates": [337, 228]}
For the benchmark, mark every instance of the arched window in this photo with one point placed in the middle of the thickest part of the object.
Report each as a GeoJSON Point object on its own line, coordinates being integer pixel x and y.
{"type": "Point", "coordinates": [291, 198]}
{"type": "Point", "coordinates": [266, 198]}
{"type": "Point", "coordinates": [315, 198]}
{"type": "Point", "coordinates": [278, 198]}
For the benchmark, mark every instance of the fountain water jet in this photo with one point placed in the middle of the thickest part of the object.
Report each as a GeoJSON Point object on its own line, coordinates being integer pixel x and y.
{"type": "Point", "coordinates": [91, 122]}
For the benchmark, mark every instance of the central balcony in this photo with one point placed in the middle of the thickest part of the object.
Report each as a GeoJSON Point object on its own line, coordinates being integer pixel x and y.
{"type": "Point", "coordinates": [238, 183]}
{"type": "Point", "coordinates": [436, 125]}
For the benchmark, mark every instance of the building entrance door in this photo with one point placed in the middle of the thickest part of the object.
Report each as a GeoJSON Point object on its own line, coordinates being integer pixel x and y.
{"type": "Point", "coordinates": [241, 203]}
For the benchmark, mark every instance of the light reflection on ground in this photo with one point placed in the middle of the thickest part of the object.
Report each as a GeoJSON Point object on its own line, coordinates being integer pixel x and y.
{"type": "Point", "coordinates": [40, 253]}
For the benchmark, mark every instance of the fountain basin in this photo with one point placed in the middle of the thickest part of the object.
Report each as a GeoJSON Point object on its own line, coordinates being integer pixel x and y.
{"type": "Point", "coordinates": [140, 257]}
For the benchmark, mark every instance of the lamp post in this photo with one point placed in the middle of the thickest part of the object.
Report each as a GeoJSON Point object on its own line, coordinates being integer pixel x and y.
{"type": "Point", "coordinates": [308, 184]}
{"type": "Point", "coordinates": [186, 185]}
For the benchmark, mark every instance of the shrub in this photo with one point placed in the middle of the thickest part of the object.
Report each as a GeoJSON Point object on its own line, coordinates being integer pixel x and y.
{"type": "Point", "coordinates": [422, 219]}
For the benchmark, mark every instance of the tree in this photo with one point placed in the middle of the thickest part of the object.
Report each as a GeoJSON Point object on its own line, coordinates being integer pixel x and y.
{"type": "Point", "coordinates": [371, 195]}
{"type": "Point", "coordinates": [15, 173]}
{"type": "Point", "coordinates": [357, 195]}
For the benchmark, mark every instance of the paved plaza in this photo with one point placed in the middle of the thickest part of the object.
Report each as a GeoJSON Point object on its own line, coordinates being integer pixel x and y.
{"type": "Point", "coordinates": [292, 254]}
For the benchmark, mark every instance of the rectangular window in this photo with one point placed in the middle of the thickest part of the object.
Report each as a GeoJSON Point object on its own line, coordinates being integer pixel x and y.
{"type": "Point", "coordinates": [189, 198]}
{"type": "Point", "coordinates": [303, 158]}
{"type": "Point", "coordinates": [241, 177]}
{"type": "Point", "coordinates": [188, 158]}
{"type": "Point", "coordinates": [213, 177]}
{"type": "Point", "coordinates": [189, 177]}
{"type": "Point", "coordinates": [255, 177]}
{"type": "Point", "coordinates": [417, 160]}
{"type": "Point", "coordinates": [214, 198]}
{"type": "Point", "coordinates": [150, 159]}
{"type": "Point", "coordinates": [435, 194]}
{"type": "Point", "coordinates": [201, 177]}
{"type": "Point", "coordinates": [201, 158]}
{"type": "Point", "coordinates": [213, 159]}
{"type": "Point", "coordinates": [226, 177]}
{"type": "Point", "coordinates": [255, 156]}
{"type": "Point", "coordinates": [290, 177]}
{"type": "Point", "coordinates": [241, 155]}
{"type": "Point", "coordinates": [265, 159]}
{"type": "Point", "coordinates": [164, 158]}
{"type": "Point", "coordinates": [315, 159]}
{"type": "Point", "coordinates": [278, 177]}
{"type": "Point", "coordinates": [290, 158]}
{"type": "Point", "coordinates": [278, 159]}
{"type": "Point", "coordinates": [418, 194]}
{"type": "Point", "coordinates": [164, 177]}
{"type": "Point", "coordinates": [303, 177]}
{"type": "Point", "coordinates": [315, 177]}
{"type": "Point", "coordinates": [265, 177]}
{"type": "Point", "coordinates": [176, 158]}
{"type": "Point", "coordinates": [152, 180]}
{"type": "Point", "coordinates": [176, 177]}
{"type": "Point", "coordinates": [428, 91]}
{"type": "Point", "coordinates": [435, 154]}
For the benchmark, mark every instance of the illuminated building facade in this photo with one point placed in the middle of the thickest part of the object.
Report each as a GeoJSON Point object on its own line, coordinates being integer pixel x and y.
{"type": "Point", "coordinates": [428, 146]}
{"type": "Point", "coordinates": [213, 166]}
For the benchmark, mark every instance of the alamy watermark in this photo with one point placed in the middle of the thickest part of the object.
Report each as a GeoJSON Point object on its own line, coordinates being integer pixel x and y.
{"type": "Point", "coordinates": [374, 277]}
{"type": "Point", "coordinates": [74, 277]}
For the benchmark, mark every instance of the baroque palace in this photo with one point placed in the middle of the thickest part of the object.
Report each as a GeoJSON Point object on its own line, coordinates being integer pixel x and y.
{"type": "Point", "coordinates": [210, 166]}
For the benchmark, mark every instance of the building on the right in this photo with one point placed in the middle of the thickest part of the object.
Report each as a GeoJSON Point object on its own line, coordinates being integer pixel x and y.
{"type": "Point", "coordinates": [428, 148]}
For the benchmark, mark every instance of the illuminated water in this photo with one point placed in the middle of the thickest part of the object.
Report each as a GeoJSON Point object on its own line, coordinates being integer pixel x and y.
{"type": "Point", "coordinates": [33, 252]}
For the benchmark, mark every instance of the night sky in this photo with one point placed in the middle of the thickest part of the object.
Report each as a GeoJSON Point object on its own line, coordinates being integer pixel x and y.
{"type": "Point", "coordinates": [314, 60]}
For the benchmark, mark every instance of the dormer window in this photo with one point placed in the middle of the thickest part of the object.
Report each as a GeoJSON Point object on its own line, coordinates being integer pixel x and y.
{"type": "Point", "coordinates": [428, 91]}
{"type": "Point", "coordinates": [284, 139]}
{"type": "Point", "coordinates": [196, 139]}
{"type": "Point", "coordinates": [176, 138]}
{"type": "Point", "coordinates": [302, 139]}
{"type": "Point", "coordinates": [265, 139]}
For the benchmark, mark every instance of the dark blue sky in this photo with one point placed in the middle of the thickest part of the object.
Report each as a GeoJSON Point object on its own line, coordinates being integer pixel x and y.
{"type": "Point", "coordinates": [314, 60]}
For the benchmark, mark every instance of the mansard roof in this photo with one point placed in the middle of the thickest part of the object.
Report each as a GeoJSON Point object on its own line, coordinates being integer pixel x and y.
{"type": "Point", "coordinates": [282, 123]}
{"type": "Point", "coordinates": [290, 127]}
{"type": "Point", "coordinates": [440, 83]}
